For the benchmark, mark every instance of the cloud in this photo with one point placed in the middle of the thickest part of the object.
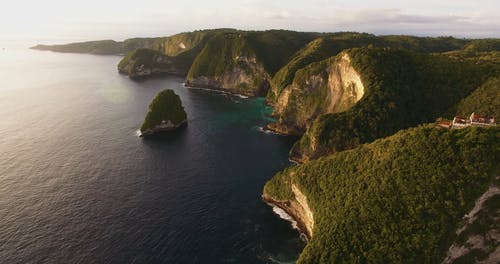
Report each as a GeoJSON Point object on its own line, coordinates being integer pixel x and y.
{"type": "Point", "coordinates": [395, 21]}
{"type": "Point", "coordinates": [368, 16]}
{"type": "Point", "coordinates": [276, 15]}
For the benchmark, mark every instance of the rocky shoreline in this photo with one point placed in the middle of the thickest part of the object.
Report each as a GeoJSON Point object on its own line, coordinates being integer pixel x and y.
{"type": "Point", "coordinates": [297, 209]}
{"type": "Point", "coordinates": [165, 127]}
{"type": "Point", "coordinates": [282, 129]}
{"type": "Point", "coordinates": [291, 211]}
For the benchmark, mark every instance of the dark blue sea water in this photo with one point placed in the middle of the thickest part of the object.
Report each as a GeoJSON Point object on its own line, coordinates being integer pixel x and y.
{"type": "Point", "coordinates": [77, 185]}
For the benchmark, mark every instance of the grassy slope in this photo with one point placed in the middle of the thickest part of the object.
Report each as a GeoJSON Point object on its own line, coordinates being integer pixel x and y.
{"type": "Point", "coordinates": [165, 106]}
{"type": "Point", "coordinates": [403, 89]}
{"type": "Point", "coordinates": [397, 200]}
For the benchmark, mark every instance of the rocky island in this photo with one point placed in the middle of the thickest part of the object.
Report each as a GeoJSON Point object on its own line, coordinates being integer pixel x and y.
{"type": "Point", "coordinates": [165, 114]}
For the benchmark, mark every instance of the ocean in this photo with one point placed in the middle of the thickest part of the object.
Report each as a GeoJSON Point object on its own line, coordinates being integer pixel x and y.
{"type": "Point", "coordinates": [77, 184]}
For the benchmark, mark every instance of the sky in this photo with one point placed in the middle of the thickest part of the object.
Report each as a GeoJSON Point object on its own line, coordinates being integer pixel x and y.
{"type": "Point", "coordinates": [50, 21]}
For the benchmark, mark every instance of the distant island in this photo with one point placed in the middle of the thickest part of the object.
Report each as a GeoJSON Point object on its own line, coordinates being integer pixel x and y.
{"type": "Point", "coordinates": [376, 181]}
{"type": "Point", "coordinates": [165, 114]}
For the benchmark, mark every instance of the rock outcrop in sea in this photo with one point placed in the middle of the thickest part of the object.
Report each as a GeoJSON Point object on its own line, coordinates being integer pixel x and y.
{"type": "Point", "coordinates": [165, 114]}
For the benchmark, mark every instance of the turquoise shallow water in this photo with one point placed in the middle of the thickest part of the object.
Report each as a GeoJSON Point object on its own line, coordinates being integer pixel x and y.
{"type": "Point", "coordinates": [78, 186]}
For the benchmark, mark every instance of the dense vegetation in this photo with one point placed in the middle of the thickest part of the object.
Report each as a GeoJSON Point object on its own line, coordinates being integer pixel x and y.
{"type": "Point", "coordinates": [483, 45]}
{"type": "Point", "coordinates": [274, 48]}
{"type": "Point", "coordinates": [187, 41]}
{"type": "Point", "coordinates": [396, 200]}
{"type": "Point", "coordinates": [218, 55]}
{"type": "Point", "coordinates": [166, 106]}
{"type": "Point", "coordinates": [270, 48]}
{"type": "Point", "coordinates": [485, 100]}
{"type": "Point", "coordinates": [156, 62]}
{"type": "Point", "coordinates": [138, 57]}
{"type": "Point", "coordinates": [402, 89]}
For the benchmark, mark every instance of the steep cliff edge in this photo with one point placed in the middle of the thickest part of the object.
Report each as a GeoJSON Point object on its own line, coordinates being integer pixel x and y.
{"type": "Point", "coordinates": [331, 44]}
{"type": "Point", "coordinates": [399, 199]}
{"type": "Point", "coordinates": [478, 240]}
{"type": "Point", "coordinates": [168, 55]}
{"type": "Point", "coordinates": [143, 63]}
{"type": "Point", "coordinates": [297, 207]}
{"type": "Point", "coordinates": [226, 64]}
{"type": "Point", "coordinates": [329, 86]}
{"type": "Point", "coordinates": [401, 89]}
{"type": "Point", "coordinates": [243, 62]}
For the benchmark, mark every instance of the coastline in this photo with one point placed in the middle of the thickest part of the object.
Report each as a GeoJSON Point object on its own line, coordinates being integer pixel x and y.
{"type": "Point", "coordinates": [218, 90]}
{"type": "Point", "coordinates": [293, 212]}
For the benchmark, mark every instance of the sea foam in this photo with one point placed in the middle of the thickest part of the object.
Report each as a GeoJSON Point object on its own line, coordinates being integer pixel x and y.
{"type": "Point", "coordinates": [283, 215]}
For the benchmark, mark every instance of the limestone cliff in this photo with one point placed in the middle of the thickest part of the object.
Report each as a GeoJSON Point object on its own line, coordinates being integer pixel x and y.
{"type": "Point", "coordinates": [329, 86]}
{"type": "Point", "coordinates": [246, 76]}
{"type": "Point", "coordinates": [297, 207]}
{"type": "Point", "coordinates": [228, 63]}
{"type": "Point", "coordinates": [399, 90]}
{"type": "Point", "coordinates": [244, 61]}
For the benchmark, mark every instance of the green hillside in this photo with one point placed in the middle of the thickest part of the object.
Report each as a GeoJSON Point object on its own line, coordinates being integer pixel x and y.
{"type": "Point", "coordinates": [396, 200]}
{"type": "Point", "coordinates": [402, 89]}
{"type": "Point", "coordinates": [485, 100]}
{"type": "Point", "coordinates": [218, 55]}
{"type": "Point", "coordinates": [270, 48]}
{"type": "Point", "coordinates": [146, 62]}
{"type": "Point", "coordinates": [331, 44]}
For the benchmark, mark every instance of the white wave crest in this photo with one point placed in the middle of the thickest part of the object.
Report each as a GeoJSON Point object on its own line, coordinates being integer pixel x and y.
{"type": "Point", "coordinates": [267, 131]}
{"type": "Point", "coordinates": [217, 91]}
{"type": "Point", "coordinates": [283, 215]}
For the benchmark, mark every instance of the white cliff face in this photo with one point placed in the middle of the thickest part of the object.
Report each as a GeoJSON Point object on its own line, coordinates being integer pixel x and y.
{"type": "Point", "coordinates": [297, 208]}
{"type": "Point", "coordinates": [345, 86]}
{"type": "Point", "coordinates": [282, 102]}
{"type": "Point", "coordinates": [334, 86]}
{"type": "Point", "coordinates": [304, 210]}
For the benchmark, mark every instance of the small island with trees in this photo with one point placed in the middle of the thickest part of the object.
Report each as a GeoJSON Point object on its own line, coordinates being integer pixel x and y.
{"type": "Point", "coordinates": [165, 114]}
